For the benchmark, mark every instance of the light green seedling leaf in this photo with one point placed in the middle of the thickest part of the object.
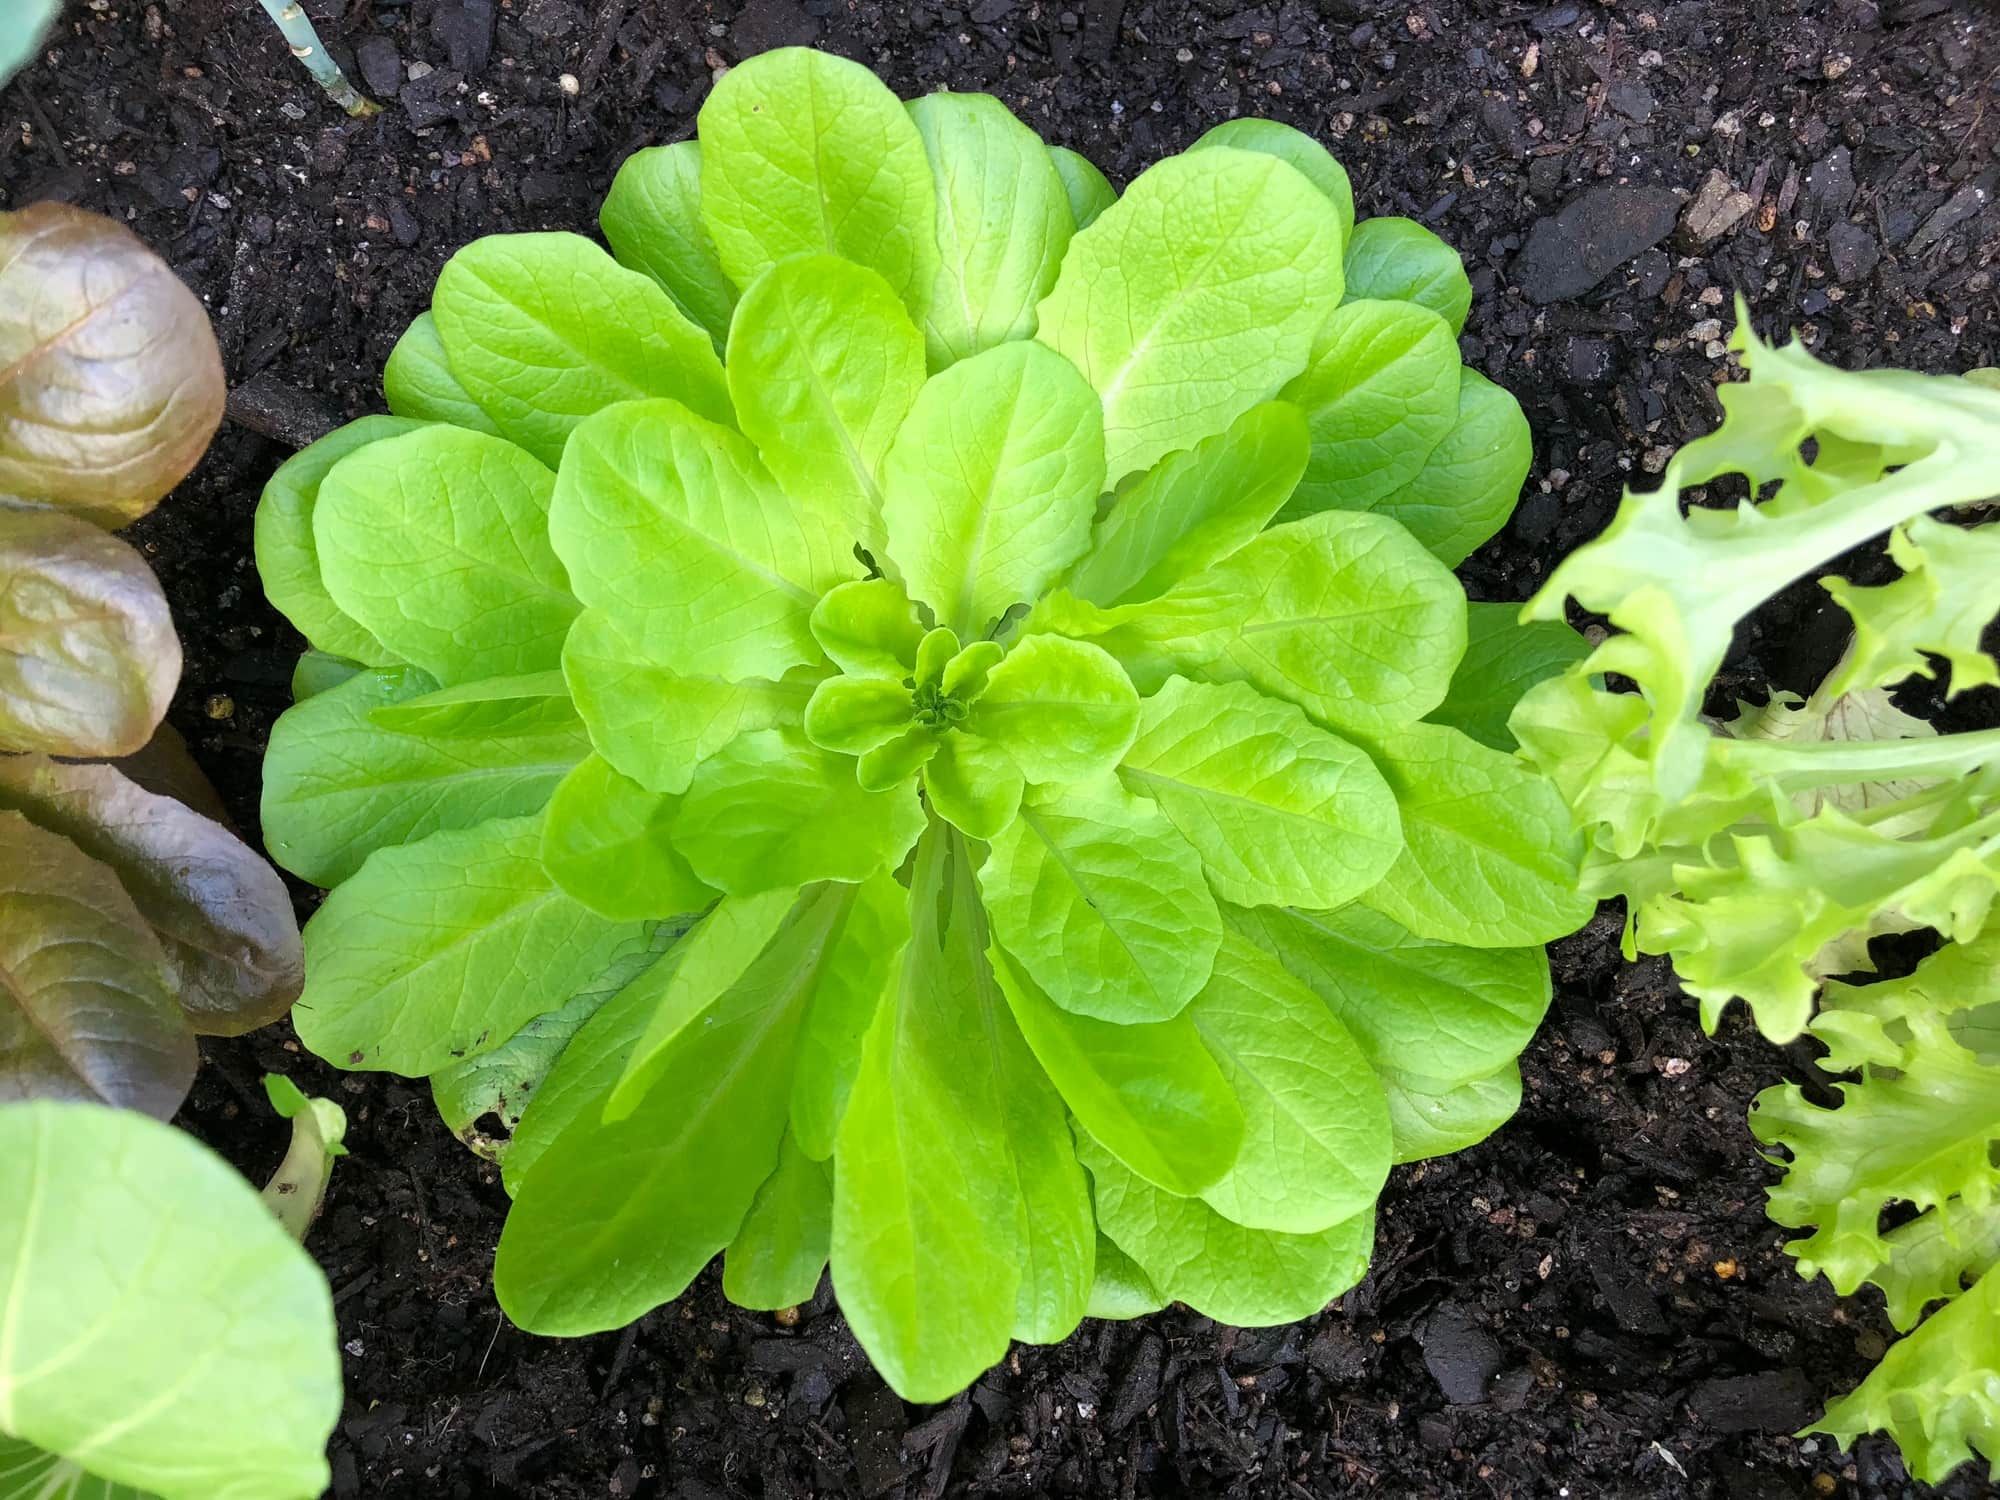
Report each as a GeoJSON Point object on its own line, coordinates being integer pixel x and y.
{"type": "Point", "coordinates": [319, 1130]}
{"type": "Point", "coordinates": [1341, 613]}
{"type": "Point", "coordinates": [1466, 489]}
{"type": "Point", "coordinates": [991, 485]}
{"type": "Point", "coordinates": [288, 556]}
{"type": "Point", "coordinates": [1063, 710]}
{"type": "Point", "coordinates": [961, 1216]}
{"type": "Point", "coordinates": [803, 151]}
{"type": "Point", "coordinates": [671, 523]}
{"type": "Point", "coordinates": [935, 652]}
{"type": "Point", "coordinates": [1316, 1142]}
{"type": "Point", "coordinates": [1251, 1278]}
{"type": "Point", "coordinates": [772, 809]}
{"type": "Point", "coordinates": [1941, 605]}
{"type": "Point", "coordinates": [437, 543]}
{"type": "Point", "coordinates": [338, 784]}
{"type": "Point", "coordinates": [317, 672]}
{"type": "Point", "coordinates": [1121, 1289]}
{"type": "Point", "coordinates": [1427, 1121]}
{"type": "Point", "coordinates": [579, 1077]}
{"type": "Point", "coordinates": [973, 784]}
{"type": "Point", "coordinates": [415, 962]}
{"type": "Point", "coordinates": [869, 629]}
{"type": "Point", "coordinates": [1088, 191]}
{"type": "Point", "coordinates": [656, 725]}
{"type": "Point", "coordinates": [1093, 892]}
{"type": "Point", "coordinates": [843, 1007]}
{"type": "Point", "coordinates": [21, 32]}
{"type": "Point", "coordinates": [618, 1215]}
{"type": "Point", "coordinates": [1489, 858]}
{"type": "Point", "coordinates": [1503, 659]}
{"type": "Point", "coordinates": [608, 842]}
{"type": "Point", "coordinates": [1150, 1092]}
{"type": "Point", "coordinates": [544, 329]}
{"type": "Point", "coordinates": [1274, 138]}
{"type": "Point", "coordinates": [896, 762]}
{"type": "Point", "coordinates": [652, 220]}
{"type": "Point", "coordinates": [967, 674]}
{"type": "Point", "coordinates": [1281, 812]}
{"type": "Point", "coordinates": [854, 715]}
{"type": "Point", "coordinates": [202, 1369]}
{"type": "Point", "coordinates": [1194, 297]}
{"type": "Point", "coordinates": [1398, 260]}
{"type": "Point", "coordinates": [824, 364]}
{"type": "Point", "coordinates": [504, 1081]}
{"type": "Point", "coordinates": [1003, 223]}
{"type": "Point", "coordinates": [419, 384]}
{"type": "Point", "coordinates": [779, 1254]}
{"type": "Point", "coordinates": [1194, 508]}
{"type": "Point", "coordinates": [1435, 1009]}
{"type": "Point", "coordinates": [1380, 392]}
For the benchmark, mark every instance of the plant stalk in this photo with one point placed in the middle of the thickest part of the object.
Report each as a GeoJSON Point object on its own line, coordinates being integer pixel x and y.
{"type": "Point", "coordinates": [306, 46]}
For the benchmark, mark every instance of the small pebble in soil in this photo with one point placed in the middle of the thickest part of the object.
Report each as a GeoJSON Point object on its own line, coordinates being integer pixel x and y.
{"type": "Point", "coordinates": [569, 85]}
{"type": "Point", "coordinates": [220, 706]}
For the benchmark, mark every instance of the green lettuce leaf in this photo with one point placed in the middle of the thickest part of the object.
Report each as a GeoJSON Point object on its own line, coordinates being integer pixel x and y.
{"type": "Point", "coordinates": [1392, 259]}
{"type": "Point", "coordinates": [1089, 194]}
{"type": "Point", "coordinates": [1288, 144]}
{"type": "Point", "coordinates": [608, 842]}
{"type": "Point", "coordinates": [1503, 659]}
{"type": "Point", "coordinates": [418, 383]}
{"type": "Point", "coordinates": [652, 220]}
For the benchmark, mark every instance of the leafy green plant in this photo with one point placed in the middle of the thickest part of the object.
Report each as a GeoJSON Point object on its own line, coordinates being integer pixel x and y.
{"type": "Point", "coordinates": [891, 795]}
{"type": "Point", "coordinates": [129, 921]}
{"type": "Point", "coordinates": [1764, 851]}
{"type": "Point", "coordinates": [199, 1366]}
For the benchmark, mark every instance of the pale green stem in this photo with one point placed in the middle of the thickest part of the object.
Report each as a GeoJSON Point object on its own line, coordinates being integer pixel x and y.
{"type": "Point", "coordinates": [1831, 761]}
{"type": "Point", "coordinates": [306, 46]}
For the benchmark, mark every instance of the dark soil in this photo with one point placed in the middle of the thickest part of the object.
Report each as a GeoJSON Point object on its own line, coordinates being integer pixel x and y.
{"type": "Point", "coordinates": [1592, 1303]}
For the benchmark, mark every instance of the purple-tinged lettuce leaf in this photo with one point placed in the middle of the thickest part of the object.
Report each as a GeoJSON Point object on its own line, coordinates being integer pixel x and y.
{"type": "Point", "coordinates": [110, 383]}
{"type": "Point", "coordinates": [88, 655]}
{"type": "Point", "coordinates": [223, 917]}
{"type": "Point", "coordinates": [85, 1006]}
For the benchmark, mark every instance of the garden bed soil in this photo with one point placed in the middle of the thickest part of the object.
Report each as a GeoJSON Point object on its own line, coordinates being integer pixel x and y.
{"type": "Point", "coordinates": [1590, 1304]}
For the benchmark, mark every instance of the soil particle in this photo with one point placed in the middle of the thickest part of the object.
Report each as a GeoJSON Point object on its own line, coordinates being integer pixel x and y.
{"type": "Point", "coordinates": [1593, 234]}
{"type": "Point", "coordinates": [1621, 1183]}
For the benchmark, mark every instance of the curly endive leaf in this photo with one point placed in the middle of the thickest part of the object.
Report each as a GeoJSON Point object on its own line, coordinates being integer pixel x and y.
{"type": "Point", "coordinates": [1937, 1392]}
{"type": "Point", "coordinates": [1942, 603]}
{"type": "Point", "coordinates": [110, 383]}
{"type": "Point", "coordinates": [85, 1008]}
{"type": "Point", "coordinates": [88, 655]}
{"type": "Point", "coordinates": [222, 916]}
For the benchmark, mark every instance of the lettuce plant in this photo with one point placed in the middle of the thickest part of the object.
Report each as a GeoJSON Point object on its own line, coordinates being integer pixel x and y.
{"type": "Point", "coordinates": [199, 1366]}
{"type": "Point", "coordinates": [129, 921]}
{"type": "Point", "coordinates": [1763, 851]}
{"type": "Point", "coordinates": [830, 759]}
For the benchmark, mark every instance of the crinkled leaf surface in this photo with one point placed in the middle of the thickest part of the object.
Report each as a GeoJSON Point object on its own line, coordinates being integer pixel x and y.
{"type": "Point", "coordinates": [804, 151]}
{"type": "Point", "coordinates": [1274, 138]}
{"type": "Point", "coordinates": [1062, 710]}
{"type": "Point", "coordinates": [652, 220]}
{"type": "Point", "coordinates": [415, 962]}
{"type": "Point", "coordinates": [1392, 259]}
{"type": "Point", "coordinates": [1380, 392]}
{"type": "Point", "coordinates": [992, 482]}
{"type": "Point", "coordinates": [1941, 606]}
{"type": "Point", "coordinates": [1488, 858]}
{"type": "Point", "coordinates": [544, 329]}
{"type": "Point", "coordinates": [1194, 297]}
{"type": "Point", "coordinates": [1003, 223]}
{"type": "Point", "coordinates": [110, 383]}
{"type": "Point", "coordinates": [824, 364]}
{"type": "Point", "coordinates": [288, 553]}
{"type": "Point", "coordinates": [88, 654]}
{"type": "Point", "coordinates": [437, 543]}
{"type": "Point", "coordinates": [202, 1369]}
{"type": "Point", "coordinates": [86, 1005]}
{"type": "Point", "coordinates": [339, 783]}
{"type": "Point", "coordinates": [418, 382]}
{"type": "Point", "coordinates": [222, 916]}
{"type": "Point", "coordinates": [1281, 812]}
{"type": "Point", "coordinates": [1093, 892]}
